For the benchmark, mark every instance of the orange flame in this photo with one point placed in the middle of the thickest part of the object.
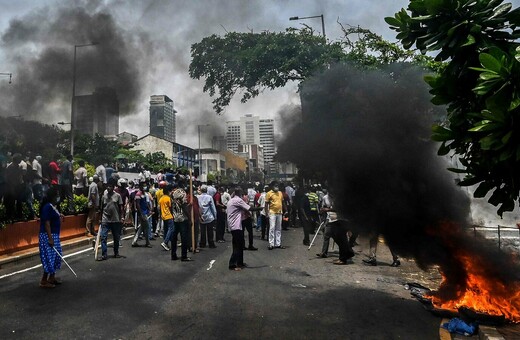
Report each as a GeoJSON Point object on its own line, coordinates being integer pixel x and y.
{"type": "Point", "coordinates": [484, 294]}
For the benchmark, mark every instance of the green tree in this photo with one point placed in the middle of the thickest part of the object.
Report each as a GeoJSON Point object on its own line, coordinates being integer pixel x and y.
{"type": "Point", "coordinates": [95, 150]}
{"type": "Point", "coordinates": [480, 87]}
{"type": "Point", "coordinates": [255, 61]}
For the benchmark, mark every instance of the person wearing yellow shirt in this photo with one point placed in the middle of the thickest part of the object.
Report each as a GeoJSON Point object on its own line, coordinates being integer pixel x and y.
{"type": "Point", "coordinates": [165, 207]}
{"type": "Point", "coordinates": [158, 194]}
{"type": "Point", "coordinates": [274, 209]}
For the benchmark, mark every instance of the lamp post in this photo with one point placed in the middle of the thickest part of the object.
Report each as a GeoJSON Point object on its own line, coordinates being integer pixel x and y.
{"type": "Point", "coordinates": [200, 160]}
{"type": "Point", "coordinates": [73, 108]}
{"type": "Point", "coordinates": [311, 17]}
{"type": "Point", "coordinates": [7, 74]}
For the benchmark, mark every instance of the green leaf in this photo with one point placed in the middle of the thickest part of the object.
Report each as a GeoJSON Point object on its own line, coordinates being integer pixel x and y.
{"type": "Point", "coordinates": [467, 182]}
{"type": "Point", "coordinates": [484, 125]}
{"type": "Point", "coordinates": [517, 53]}
{"type": "Point", "coordinates": [469, 41]}
{"type": "Point", "coordinates": [444, 150]}
{"type": "Point", "coordinates": [440, 100]}
{"type": "Point", "coordinates": [431, 79]}
{"type": "Point", "coordinates": [483, 189]}
{"type": "Point", "coordinates": [458, 171]}
{"type": "Point", "coordinates": [502, 9]}
{"type": "Point", "coordinates": [489, 75]}
{"type": "Point", "coordinates": [487, 143]}
{"type": "Point", "coordinates": [507, 137]}
{"type": "Point", "coordinates": [496, 198]}
{"type": "Point", "coordinates": [393, 21]}
{"type": "Point", "coordinates": [508, 205]}
{"type": "Point", "coordinates": [489, 62]}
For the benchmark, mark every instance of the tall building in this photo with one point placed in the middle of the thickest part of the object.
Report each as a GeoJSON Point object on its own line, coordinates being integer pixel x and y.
{"type": "Point", "coordinates": [253, 130]}
{"type": "Point", "coordinates": [162, 118]}
{"type": "Point", "coordinates": [97, 113]}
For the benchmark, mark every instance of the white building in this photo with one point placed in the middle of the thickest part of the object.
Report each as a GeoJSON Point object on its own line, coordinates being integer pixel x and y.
{"type": "Point", "coordinates": [253, 130]}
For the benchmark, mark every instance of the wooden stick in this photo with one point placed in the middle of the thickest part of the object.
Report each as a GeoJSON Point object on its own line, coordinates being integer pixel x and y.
{"type": "Point", "coordinates": [193, 245]}
{"type": "Point", "coordinates": [96, 245]}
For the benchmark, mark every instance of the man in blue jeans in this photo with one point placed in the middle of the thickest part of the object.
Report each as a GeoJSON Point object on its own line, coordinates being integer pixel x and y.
{"type": "Point", "coordinates": [111, 220]}
{"type": "Point", "coordinates": [165, 207]}
{"type": "Point", "coordinates": [181, 221]}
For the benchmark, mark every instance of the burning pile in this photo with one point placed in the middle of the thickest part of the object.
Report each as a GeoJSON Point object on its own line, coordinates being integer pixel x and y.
{"type": "Point", "coordinates": [486, 281]}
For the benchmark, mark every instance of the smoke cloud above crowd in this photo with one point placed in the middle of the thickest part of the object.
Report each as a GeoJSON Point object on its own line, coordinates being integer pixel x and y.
{"type": "Point", "coordinates": [41, 46]}
{"type": "Point", "coordinates": [145, 50]}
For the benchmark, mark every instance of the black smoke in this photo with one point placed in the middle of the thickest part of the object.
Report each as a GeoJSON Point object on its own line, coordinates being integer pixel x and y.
{"type": "Point", "coordinates": [368, 133]}
{"type": "Point", "coordinates": [41, 46]}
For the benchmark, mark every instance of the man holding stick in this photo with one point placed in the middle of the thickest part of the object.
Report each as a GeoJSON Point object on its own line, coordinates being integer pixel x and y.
{"type": "Point", "coordinates": [112, 219]}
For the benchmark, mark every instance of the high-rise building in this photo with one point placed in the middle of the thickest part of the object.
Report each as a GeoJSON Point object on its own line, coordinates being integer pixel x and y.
{"type": "Point", "coordinates": [162, 118]}
{"type": "Point", "coordinates": [253, 130]}
{"type": "Point", "coordinates": [97, 113]}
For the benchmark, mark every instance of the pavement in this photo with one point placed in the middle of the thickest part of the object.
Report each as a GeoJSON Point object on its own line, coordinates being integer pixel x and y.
{"type": "Point", "coordinates": [284, 293]}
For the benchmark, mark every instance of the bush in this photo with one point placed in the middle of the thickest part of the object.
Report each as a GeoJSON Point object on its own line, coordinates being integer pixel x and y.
{"type": "Point", "coordinates": [80, 205]}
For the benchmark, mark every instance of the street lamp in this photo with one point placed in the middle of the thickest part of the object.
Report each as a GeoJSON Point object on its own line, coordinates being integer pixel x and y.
{"type": "Point", "coordinates": [314, 16]}
{"type": "Point", "coordinates": [200, 160]}
{"type": "Point", "coordinates": [73, 109]}
{"type": "Point", "coordinates": [8, 74]}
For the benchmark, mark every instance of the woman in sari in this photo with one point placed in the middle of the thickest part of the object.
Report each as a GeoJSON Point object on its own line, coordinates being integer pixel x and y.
{"type": "Point", "coordinates": [49, 239]}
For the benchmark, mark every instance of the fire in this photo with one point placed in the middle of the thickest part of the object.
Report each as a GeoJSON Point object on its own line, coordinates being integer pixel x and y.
{"type": "Point", "coordinates": [484, 294]}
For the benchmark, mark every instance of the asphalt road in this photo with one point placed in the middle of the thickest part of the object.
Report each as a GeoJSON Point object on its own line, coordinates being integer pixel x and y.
{"type": "Point", "coordinates": [285, 294]}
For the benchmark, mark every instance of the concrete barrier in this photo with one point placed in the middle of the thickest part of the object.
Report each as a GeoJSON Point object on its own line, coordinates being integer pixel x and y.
{"type": "Point", "coordinates": [24, 235]}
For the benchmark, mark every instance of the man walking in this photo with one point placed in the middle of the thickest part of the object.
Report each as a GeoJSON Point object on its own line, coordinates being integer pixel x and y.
{"type": "Point", "coordinates": [112, 219]}
{"type": "Point", "coordinates": [143, 212]}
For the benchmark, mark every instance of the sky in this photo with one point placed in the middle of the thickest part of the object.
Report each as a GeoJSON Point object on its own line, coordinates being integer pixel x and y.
{"type": "Point", "coordinates": [157, 35]}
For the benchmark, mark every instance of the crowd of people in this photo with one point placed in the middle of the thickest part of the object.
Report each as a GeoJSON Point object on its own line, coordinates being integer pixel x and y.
{"type": "Point", "coordinates": [165, 206]}
{"type": "Point", "coordinates": [25, 181]}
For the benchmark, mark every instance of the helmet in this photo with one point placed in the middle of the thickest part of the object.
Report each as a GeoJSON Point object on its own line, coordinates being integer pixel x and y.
{"type": "Point", "coordinates": [162, 184]}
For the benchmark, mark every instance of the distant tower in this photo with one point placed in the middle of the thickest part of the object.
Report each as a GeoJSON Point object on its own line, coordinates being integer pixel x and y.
{"type": "Point", "coordinates": [251, 130]}
{"type": "Point", "coordinates": [97, 113]}
{"type": "Point", "coordinates": [162, 118]}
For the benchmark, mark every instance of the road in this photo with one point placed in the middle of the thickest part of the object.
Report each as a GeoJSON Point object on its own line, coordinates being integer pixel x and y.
{"type": "Point", "coordinates": [284, 293]}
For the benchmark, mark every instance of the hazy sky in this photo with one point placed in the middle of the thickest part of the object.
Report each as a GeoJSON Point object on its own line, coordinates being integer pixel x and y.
{"type": "Point", "coordinates": [157, 35]}
{"type": "Point", "coordinates": [170, 28]}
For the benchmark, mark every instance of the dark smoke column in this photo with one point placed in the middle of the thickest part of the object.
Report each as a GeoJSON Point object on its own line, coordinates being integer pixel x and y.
{"type": "Point", "coordinates": [368, 131]}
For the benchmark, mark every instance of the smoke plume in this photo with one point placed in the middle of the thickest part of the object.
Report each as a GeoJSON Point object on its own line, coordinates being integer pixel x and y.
{"type": "Point", "coordinates": [368, 133]}
{"type": "Point", "coordinates": [41, 46]}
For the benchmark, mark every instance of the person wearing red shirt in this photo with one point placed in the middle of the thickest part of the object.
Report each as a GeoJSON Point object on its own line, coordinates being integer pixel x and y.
{"type": "Point", "coordinates": [54, 170]}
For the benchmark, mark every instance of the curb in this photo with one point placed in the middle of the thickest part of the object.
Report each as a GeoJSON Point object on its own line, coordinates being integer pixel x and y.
{"type": "Point", "coordinates": [29, 255]}
{"type": "Point", "coordinates": [32, 255]}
